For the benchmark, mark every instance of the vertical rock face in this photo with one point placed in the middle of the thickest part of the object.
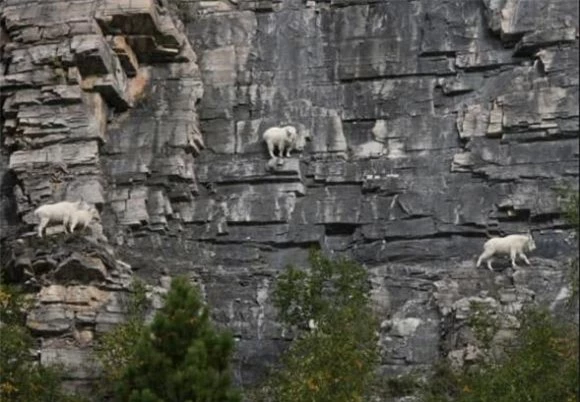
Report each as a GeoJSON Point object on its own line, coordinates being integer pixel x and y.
{"type": "Point", "coordinates": [432, 125]}
{"type": "Point", "coordinates": [98, 103]}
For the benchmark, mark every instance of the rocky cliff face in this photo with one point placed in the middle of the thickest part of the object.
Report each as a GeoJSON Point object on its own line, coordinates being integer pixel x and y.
{"type": "Point", "coordinates": [433, 125]}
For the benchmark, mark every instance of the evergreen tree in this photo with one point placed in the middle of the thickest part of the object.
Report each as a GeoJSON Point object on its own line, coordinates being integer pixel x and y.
{"type": "Point", "coordinates": [180, 357]}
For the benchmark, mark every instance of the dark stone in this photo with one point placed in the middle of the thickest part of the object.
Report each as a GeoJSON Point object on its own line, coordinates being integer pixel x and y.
{"type": "Point", "coordinates": [80, 269]}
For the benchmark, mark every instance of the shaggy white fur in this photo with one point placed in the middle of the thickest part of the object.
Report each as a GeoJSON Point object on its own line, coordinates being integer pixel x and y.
{"type": "Point", "coordinates": [512, 245]}
{"type": "Point", "coordinates": [70, 214]}
{"type": "Point", "coordinates": [285, 139]}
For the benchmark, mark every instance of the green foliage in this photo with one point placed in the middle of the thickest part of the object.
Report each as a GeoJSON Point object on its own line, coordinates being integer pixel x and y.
{"type": "Point", "coordinates": [541, 365]}
{"type": "Point", "coordinates": [571, 212]}
{"type": "Point", "coordinates": [574, 279]}
{"type": "Point", "coordinates": [483, 322]}
{"type": "Point", "coordinates": [117, 349]}
{"type": "Point", "coordinates": [22, 379]}
{"type": "Point", "coordinates": [444, 385]}
{"type": "Point", "coordinates": [569, 201]}
{"type": "Point", "coordinates": [180, 357]}
{"type": "Point", "coordinates": [397, 387]}
{"type": "Point", "coordinates": [335, 361]}
{"type": "Point", "coordinates": [138, 302]}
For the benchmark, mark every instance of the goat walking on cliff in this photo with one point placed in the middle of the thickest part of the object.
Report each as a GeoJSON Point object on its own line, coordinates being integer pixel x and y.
{"type": "Point", "coordinates": [512, 245]}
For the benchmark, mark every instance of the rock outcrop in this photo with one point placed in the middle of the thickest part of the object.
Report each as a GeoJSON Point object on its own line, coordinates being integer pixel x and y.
{"type": "Point", "coordinates": [72, 71]}
{"type": "Point", "coordinates": [433, 125]}
{"type": "Point", "coordinates": [78, 291]}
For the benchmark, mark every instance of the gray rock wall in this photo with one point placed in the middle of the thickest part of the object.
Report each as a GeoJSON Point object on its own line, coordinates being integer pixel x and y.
{"type": "Point", "coordinates": [433, 125]}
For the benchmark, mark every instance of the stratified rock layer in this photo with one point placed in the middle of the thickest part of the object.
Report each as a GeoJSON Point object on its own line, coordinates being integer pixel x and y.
{"type": "Point", "coordinates": [433, 125]}
{"type": "Point", "coordinates": [72, 72]}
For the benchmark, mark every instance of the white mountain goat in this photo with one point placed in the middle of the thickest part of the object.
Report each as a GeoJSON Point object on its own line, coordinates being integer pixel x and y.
{"type": "Point", "coordinates": [285, 138]}
{"type": "Point", "coordinates": [512, 245]}
{"type": "Point", "coordinates": [82, 217]}
{"type": "Point", "coordinates": [70, 214]}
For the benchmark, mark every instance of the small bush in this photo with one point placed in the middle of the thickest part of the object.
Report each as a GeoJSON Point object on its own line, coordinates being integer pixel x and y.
{"type": "Point", "coordinates": [571, 213]}
{"type": "Point", "coordinates": [403, 385]}
{"type": "Point", "coordinates": [336, 360]}
{"type": "Point", "coordinates": [117, 349]}
{"type": "Point", "coordinates": [484, 322]}
{"type": "Point", "coordinates": [570, 208]}
{"type": "Point", "coordinates": [540, 365]}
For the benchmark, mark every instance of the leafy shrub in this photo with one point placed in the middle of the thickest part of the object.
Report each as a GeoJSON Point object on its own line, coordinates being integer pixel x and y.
{"type": "Point", "coordinates": [570, 207]}
{"type": "Point", "coordinates": [540, 365]}
{"type": "Point", "coordinates": [571, 213]}
{"type": "Point", "coordinates": [336, 360]}
{"type": "Point", "coordinates": [400, 386]}
{"type": "Point", "coordinates": [117, 349]}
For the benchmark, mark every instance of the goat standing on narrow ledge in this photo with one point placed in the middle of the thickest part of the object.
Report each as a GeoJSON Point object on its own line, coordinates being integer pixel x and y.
{"type": "Point", "coordinates": [512, 245]}
{"type": "Point", "coordinates": [70, 214]}
{"type": "Point", "coordinates": [284, 138]}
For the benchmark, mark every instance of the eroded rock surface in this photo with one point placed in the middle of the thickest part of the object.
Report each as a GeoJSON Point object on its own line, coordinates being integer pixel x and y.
{"type": "Point", "coordinates": [78, 290]}
{"type": "Point", "coordinates": [433, 125]}
{"type": "Point", "coordinates": [72, 71]}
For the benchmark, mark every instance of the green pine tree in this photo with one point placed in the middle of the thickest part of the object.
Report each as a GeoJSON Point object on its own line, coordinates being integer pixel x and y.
{"type": "Point", "coordinates": [180, 357]}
